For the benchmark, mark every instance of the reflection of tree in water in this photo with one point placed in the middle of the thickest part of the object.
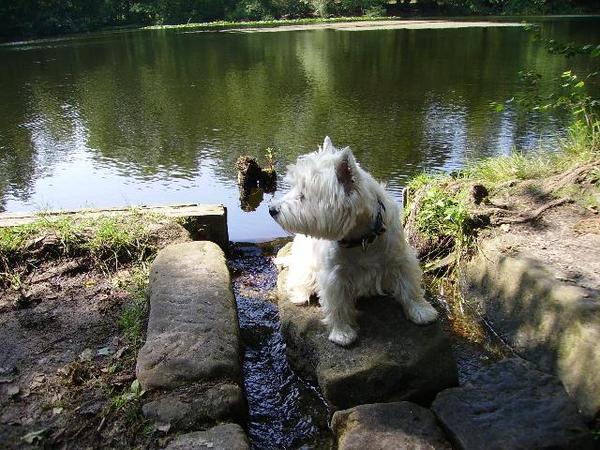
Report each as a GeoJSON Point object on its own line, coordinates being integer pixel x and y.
{"type": "Point", "coordinates": [160, 102]}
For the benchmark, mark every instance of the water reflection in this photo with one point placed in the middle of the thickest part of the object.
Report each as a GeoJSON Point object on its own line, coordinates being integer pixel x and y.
{"type": "Point", "coordinates": [152, 117]}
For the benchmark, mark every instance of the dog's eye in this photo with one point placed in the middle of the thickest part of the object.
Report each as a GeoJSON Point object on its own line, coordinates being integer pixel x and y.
{"type": "Point", "coordinates": [301, 197]}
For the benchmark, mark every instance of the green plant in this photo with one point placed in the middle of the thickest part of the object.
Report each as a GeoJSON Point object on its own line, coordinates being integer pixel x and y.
{"type": "Point", "coordinates": [126, 403]}
{"type": "Point", "coordinates": [570, 96]}
{"type": "Point", "coordinates": [442, 214]}
{"type": "Point", "coordinates": [131, 320]}
{"type": "Point", "coordinates": [270, 160]}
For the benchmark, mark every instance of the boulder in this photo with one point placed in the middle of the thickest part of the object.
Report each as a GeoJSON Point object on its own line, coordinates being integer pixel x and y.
{"type": "Point", "coordinates": [393, 359]}
{"type": "Point", "coordinates": [191, 359]}
{"type": "Point", "coordinates": [222, 437]}
{"type": "Point", "coordinates": [388, 426]}
{"type": "Point", "coordinates": [512, 405]}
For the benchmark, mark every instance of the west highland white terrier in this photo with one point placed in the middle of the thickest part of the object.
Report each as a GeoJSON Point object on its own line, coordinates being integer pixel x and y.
{"type": "Point", "coordinates": [349, 241]}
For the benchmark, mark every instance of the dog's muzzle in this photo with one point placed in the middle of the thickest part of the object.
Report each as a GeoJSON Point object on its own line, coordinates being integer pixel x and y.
{"type": "Point", "coordinates": [274, 211]}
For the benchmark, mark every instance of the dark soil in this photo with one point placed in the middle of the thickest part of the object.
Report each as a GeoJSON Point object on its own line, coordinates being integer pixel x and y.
{"type": "Point", "coordinates": [66, 367]}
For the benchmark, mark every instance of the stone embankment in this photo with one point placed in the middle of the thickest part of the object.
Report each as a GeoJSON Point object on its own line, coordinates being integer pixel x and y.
{"type": "Point", "coordinates": [190, 364]}
{"type": "Point", "coordinates": [388, 426]}
{"type": "Point", "coordinates": [540, 291]}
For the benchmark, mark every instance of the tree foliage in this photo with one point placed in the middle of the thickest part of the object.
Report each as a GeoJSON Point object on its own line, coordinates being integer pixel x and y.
{"type": "Point", "coordinates": [30, 18]}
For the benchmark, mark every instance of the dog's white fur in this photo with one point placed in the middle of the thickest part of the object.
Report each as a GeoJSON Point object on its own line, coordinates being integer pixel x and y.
{"type": "Point", "coordinates": [332, 198]}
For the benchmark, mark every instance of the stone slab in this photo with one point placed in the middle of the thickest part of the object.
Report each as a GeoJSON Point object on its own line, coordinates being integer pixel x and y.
{"type": "Point", "coordinates": [393, 359]}
{"type": "Point", "coordinates": [388, 426]}
{"type": "Point", "coordinates": [204, 222]}
{"type": "Point", "coordinates": [193, 332]}
{"type": "Point", "coordinates": [512, 405]}
{"type": "Point", "coordinates": [191, 409]}
{"type": "Point", "coordinates": [546, 319]}
{"type": "Point", "coordinates": [222, 437]}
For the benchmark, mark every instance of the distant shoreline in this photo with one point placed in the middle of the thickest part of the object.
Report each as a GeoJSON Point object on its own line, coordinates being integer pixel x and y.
{"type": "Point", "coordinates": [347, 23]}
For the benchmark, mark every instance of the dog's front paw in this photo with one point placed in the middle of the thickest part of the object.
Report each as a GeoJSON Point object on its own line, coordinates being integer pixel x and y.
{"type": "Point", "coordinates": [343, 336]}
{"type": "Point", "coordinates": [298, 298]}
{"type": "Point", "coordinates": [421, 313]}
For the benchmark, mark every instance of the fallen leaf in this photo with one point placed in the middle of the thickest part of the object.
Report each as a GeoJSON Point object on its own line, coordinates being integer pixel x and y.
{"type": "Point", "coordinates": [37, 381]}
{"type": "Point", "coordinates": [104, 351]}
{"type": "Point", "coordinates": [164, 427]}
{"type": "Point", "coordinates": [86, 355]}
{"type": "Point", "coordinates": [57, 411]}
{"type": "Point", "coordinates": [12, 390]}
{"type": "Point", "coordinates": [34, 436]}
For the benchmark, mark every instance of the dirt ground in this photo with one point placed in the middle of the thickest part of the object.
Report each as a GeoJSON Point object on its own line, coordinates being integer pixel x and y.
{"type": "Point", "coordinates": [565, 238]}
{"type": "Point", "coordinates": [67, 360]}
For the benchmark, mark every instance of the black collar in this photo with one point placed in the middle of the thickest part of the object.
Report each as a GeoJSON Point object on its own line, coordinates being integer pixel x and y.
{"type": "Point", "coordinates": [377, 228]}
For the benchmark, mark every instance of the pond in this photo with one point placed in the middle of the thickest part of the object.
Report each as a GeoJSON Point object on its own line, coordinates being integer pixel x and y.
{"type": "Point", "coordinates": [160, 116]}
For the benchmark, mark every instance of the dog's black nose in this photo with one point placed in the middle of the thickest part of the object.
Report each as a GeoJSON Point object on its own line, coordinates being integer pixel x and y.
{"type": "Point", "coordinates": [273, 211]}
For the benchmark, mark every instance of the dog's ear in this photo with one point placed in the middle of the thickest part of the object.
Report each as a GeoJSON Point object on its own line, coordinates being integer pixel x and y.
{"type": "Point", "coordinates": [328, 145]}
{"type": "Point", "coordinates": [345, 170]}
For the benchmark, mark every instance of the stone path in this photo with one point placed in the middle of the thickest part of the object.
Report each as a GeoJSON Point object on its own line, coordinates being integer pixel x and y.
{"type": "Point", "coordinates": [190, 366]}
{"type": "Point", "coordinates": [190, 363]}
{"type": "Point", "coordinates": [221, 437]}
{"type": "Point", "coordinates": [512, 405]}
{"type": "Point", "coordinates": [388, 426]}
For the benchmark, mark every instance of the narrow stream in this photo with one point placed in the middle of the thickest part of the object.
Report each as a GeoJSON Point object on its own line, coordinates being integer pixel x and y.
{"type": "Point", "coordinates": [285, 411]}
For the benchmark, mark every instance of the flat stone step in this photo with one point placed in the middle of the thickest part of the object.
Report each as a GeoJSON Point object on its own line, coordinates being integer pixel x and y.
{"type": "Point", "coordinates": [222, 437]}
{"type": "Point", "coordinates": [191, 358]}
{"type": "Point", "coordinates": [388, 426]}
{"type": "Point", "coordinates": [205, 222]}
{"type": "Point", "coordinates": [393, 359]}
{"type": "Point", "coordinates": [512, 405]}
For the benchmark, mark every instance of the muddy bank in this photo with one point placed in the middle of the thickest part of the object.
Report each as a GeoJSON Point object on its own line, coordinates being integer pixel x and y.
{"type": "Point", "coordinates": [72, 312]}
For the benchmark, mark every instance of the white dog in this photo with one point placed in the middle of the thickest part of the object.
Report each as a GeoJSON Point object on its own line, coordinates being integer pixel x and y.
{"type": "Point", "coordinates": [349, 242]}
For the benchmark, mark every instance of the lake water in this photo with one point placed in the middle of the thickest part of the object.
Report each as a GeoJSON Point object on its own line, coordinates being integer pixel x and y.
{"type": "Point", "coordinates": [160, 116]}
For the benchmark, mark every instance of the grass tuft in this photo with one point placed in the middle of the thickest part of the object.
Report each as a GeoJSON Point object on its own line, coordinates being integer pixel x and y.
{"type": "Point", "coordinates": [131, 320]}
{"type": "Point", "coordinates": [108, 242]}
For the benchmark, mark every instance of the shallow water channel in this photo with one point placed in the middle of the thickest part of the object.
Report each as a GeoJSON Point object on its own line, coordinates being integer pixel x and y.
{"type": "Point", "coordinates": [285, 410]}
